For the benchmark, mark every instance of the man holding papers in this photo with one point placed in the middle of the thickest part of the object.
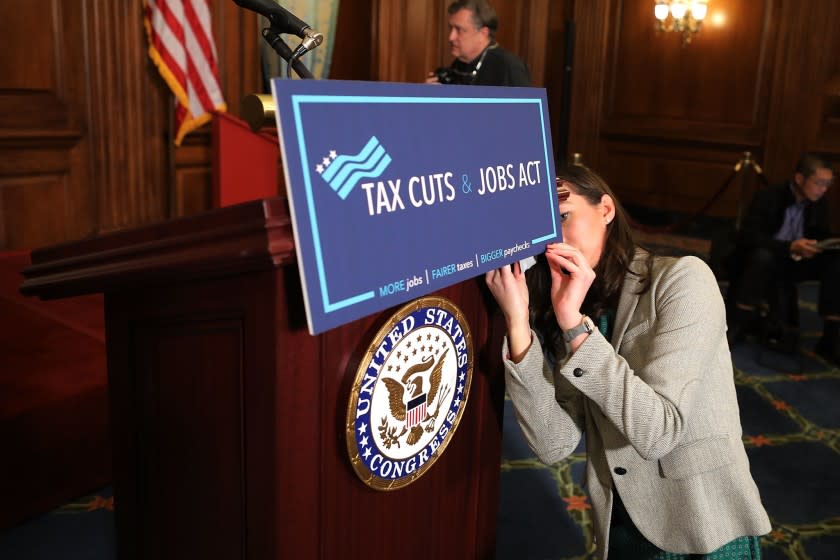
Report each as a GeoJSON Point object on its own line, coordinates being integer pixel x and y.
{"type": "Point", "coordinates": [780, 246]}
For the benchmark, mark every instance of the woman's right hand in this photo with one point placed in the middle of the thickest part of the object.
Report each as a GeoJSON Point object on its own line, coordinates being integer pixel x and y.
{"type": "Point", "coordinates": [507, 284]}
{"type": "Point", "coordinates": [571, 278]}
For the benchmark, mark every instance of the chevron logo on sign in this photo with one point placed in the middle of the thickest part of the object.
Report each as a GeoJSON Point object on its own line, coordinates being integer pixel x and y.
{"type": "Point", "coordinates": [342, 173]}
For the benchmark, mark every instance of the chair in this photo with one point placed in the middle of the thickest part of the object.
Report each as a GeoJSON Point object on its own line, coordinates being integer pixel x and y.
{"type": "Point", "coordinates": [777, 318]}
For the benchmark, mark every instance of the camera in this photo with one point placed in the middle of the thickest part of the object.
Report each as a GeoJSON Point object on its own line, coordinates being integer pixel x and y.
{"type": "Point", "coordinates": [446, 75]}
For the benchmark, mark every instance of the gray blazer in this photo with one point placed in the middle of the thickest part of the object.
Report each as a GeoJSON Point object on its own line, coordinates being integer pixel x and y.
{"type": "Point", "coordinates": [659, 410]}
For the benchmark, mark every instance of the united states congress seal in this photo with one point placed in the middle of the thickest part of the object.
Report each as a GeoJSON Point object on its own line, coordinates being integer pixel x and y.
{"type": "Point", "coordinates": [409, 393]}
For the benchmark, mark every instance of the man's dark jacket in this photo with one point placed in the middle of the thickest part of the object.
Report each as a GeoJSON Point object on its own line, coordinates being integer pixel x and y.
{"type": "Point", "coordinates": [767, 213]}
{"type": "Point", "coordinates": [499, 68]}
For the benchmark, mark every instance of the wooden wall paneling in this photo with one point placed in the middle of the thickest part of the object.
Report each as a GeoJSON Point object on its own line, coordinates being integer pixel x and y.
{"type": "Point", "coordinates": [533, 44]}
{"type": "Point", "coordinates": [802, 73]}
{"type": "Point", "coordinates": [407, 39]}
{"type": "Point", "coordinates": [238, 39]}
{"type": "Point", "coordinates": [713, 90]}
{"type": "Point", "coordinates": [829, 134]}
{"type": "Point", "coordinates": [382, 13]}
{"type": "Point", "coordinates": [4, 226]}
{"type": "Point", "coordinates": [828, 138]}
{"type": "Point", "coordinates": [129, 106]}
{"type": "Point", "coordinates": [688, 113]}
{"type": "Point", "coordinates": [523, 30]}
{"type": "Point", "coordinates": [45, 195]}
{"type": "Point", "coordinates": [511, 34]}
{"type": "Point", "coordinates": [825, 116]}
{"type": "Point", "coordinates": [592, 28]}
{"type": "Point", "coordinates": [36, 181]}
{"type": "Point", "coordinates": [803, 114]}
{"type": "Point", "coordinates": [192, 188]}
{"type": "Point", "coordinates": [352, 55]}
{"type": "Point", "coordinates": [677, 178]}
{"type": "Point", "coordinates": [25, 222]}
{"type": "Point", "coordinates": [425, 25]}
{"type": "Point", "coordinates": [554, 74]}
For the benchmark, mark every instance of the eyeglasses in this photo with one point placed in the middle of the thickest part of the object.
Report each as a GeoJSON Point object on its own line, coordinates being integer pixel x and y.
{"type": "Point", "coordinates": [823, 183]}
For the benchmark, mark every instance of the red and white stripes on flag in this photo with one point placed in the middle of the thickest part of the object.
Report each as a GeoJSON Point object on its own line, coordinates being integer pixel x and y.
{"type": "Point", "coordinates": [415, 411]}
{"type": "Point", "coordinates": [182, 47]}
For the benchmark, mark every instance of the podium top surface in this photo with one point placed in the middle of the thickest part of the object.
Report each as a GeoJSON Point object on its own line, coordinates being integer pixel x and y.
{"type": "Point", "coordinates": [248, 236]}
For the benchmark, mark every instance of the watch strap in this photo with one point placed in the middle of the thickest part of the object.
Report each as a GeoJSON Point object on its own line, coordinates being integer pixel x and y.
{"type": "Point", "coordinates": [586, 326]}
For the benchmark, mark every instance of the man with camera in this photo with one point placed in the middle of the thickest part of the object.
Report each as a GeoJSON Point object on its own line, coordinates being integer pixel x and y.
{"type": "Point", "coordinates": [479, 60]}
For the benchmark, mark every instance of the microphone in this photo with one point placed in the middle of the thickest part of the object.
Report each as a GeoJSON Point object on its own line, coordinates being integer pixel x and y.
{"type": "Point", "coordinates": [284, 21]}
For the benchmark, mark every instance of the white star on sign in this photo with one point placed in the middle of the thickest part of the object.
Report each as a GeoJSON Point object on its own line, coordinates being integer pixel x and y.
{"type": "Point", "coordinates": [319, 168]}
{"type": "Point", "coordinates": [326, 161]}
{"type": "Point", "coordinates": [333, 155]}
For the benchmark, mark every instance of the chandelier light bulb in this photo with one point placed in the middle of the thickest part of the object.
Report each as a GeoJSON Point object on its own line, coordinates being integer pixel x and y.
{"type": "Point", "coordinates": [660, 11]}
{"type": "Point", "coordinates": [682, 16]}
{"type": "Point", "coordinates": [678, 9]}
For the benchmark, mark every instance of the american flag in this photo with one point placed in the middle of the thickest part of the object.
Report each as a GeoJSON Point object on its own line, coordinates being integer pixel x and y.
{"type": "Point", "coordinates": [182, 47]}
{"type": "Point", "coordinates": [415, 411]}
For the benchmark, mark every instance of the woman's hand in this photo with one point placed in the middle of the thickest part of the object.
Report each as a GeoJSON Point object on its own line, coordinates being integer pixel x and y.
{"type": "Point", "coordinates": [507, 284]}
{"type": "Point", "coordinates": [571, 278]}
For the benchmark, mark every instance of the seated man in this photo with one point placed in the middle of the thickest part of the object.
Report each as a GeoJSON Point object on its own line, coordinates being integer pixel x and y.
{"type": "Point", "coordinates": [777, 246]}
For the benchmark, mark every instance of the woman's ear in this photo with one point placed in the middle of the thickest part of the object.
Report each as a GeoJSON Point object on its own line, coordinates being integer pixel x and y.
{"type": "Point", "coordinates": [607, 208]}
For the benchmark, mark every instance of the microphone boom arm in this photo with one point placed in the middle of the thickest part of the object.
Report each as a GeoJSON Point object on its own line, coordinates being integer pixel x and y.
{"type": "Point", "coordinates": [272, 37]}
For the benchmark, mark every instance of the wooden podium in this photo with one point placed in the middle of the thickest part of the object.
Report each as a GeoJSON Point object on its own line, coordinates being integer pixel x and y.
{"type": "Point", "coordinates": [228, 416]}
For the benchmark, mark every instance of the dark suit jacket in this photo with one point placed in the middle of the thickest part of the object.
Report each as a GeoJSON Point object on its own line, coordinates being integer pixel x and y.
{"type": "Point", "coordinates": [499, 68]}
{"type": "Point", "coordinates": [767, 213]}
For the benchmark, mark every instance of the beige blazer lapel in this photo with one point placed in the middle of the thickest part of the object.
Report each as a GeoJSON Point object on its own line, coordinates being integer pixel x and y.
{"type": "Point", "coordinates": [628, 299]}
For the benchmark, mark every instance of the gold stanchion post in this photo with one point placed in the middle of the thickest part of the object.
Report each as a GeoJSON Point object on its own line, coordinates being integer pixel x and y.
{"type": "Point", "coordinates": [744, 165]}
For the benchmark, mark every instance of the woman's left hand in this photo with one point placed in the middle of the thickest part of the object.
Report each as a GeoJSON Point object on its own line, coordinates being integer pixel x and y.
{"type": "Point", "coordinates": [508, 286]}
{"type": "Point", "coordinates": [571, 278]}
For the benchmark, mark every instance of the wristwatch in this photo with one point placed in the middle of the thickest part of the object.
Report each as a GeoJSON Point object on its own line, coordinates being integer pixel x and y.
{"type": "Point", "coordinates": [586, 326]}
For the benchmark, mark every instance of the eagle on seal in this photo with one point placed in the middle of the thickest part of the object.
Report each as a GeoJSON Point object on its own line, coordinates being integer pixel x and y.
{"type": "Point", "coordinates": [407, 400]}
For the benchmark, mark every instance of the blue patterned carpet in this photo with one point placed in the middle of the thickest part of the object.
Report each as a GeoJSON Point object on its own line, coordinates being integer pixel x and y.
{"type": "Point", "coordinates": [790, 411]}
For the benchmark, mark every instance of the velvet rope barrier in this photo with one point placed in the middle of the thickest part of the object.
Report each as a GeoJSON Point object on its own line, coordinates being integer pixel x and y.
{"type": "Point", "coordinates": [745, 163]}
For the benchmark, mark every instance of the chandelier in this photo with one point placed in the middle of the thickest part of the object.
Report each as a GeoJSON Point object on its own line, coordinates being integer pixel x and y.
{"type": "Point", "coordinates": [683, 16]}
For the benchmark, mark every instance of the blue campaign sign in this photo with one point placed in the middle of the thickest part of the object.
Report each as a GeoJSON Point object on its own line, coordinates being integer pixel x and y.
{"type": "Point", "coordinates": [399, 190]}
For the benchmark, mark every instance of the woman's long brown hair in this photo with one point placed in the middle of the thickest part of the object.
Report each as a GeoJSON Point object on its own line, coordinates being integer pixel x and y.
{"type": "Point", "coordinates": [610, 272]}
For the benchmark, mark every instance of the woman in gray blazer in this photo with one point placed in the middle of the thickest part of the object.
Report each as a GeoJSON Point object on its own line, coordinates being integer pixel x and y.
{"type": "Point", "coordinates": [630, 348]}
